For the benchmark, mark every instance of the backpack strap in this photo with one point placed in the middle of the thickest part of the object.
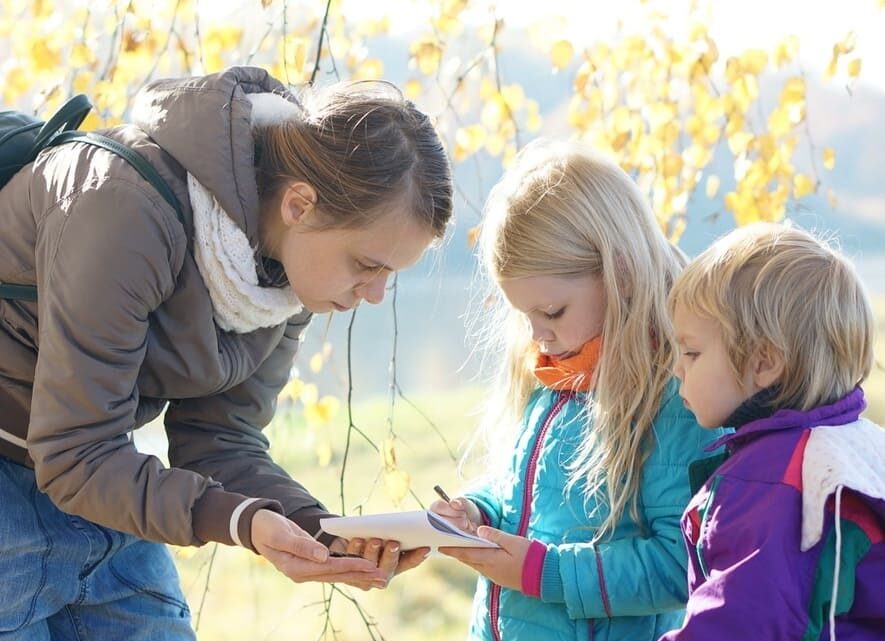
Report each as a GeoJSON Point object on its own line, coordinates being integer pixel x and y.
{"type": "Point", "coordinates": [69, 116]}
{"type": "Point", "coordinates": [136, 160]}
{"type": "Point", "coordinates": [142, 166]}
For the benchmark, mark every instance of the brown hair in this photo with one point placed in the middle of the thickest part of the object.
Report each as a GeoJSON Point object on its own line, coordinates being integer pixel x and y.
{"type": "Point", "coordinates": [362, 146]}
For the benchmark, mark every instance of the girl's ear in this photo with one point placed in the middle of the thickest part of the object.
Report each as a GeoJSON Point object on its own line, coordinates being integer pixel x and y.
{"type": "Point", "coordinates": [298, 203]}
{"type": "Point", "coordinates": [768, 366]}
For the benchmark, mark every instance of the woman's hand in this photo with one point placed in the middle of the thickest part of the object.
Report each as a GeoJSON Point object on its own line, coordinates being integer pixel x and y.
{"type": "Point", "coordinates": [460, 512]}
{"type": "Point", "coordinates": [385, 555]}
{"type": "Point", "coordinates": [501, 565]}
{"type": "Point", "coordinates": [296, 554]}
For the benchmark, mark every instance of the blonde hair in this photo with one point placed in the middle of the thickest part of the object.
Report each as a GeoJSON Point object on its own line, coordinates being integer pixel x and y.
{"type": "Point", "coordinates": [561, 210]}
{"type": "Point", "coordinates": [362, 146]}
{"type": "Point", "coordinates": [771, 285]}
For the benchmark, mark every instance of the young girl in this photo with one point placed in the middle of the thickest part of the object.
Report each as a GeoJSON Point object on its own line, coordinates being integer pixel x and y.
{"type": "Point", "coordinates": [787, 537]}
{"type": "Point", "coordinates": [289, 208]}
{"type": "Point", "coordinates": [591, 480]}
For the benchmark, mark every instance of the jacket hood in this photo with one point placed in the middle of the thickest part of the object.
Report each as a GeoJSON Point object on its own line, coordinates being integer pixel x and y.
{"type": "Point", "coordinates": [205, 124]}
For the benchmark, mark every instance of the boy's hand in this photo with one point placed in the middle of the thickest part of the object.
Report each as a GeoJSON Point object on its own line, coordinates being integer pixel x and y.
{"type": "Point", "coordinates": [503, 565]}
{"type": "Point", "coordinates": [460, 512]}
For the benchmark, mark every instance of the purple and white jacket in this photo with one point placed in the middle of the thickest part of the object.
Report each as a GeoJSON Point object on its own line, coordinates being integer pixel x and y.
{"type": "Point", "coordinates": [799, 500]}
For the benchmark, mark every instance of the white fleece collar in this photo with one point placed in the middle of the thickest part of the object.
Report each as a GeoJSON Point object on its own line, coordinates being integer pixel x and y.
{"type": "Point", "coordinates": [226, 262]}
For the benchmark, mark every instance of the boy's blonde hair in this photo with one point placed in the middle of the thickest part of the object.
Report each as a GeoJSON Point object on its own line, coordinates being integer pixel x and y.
{"type": "Point", "coordinates": [562, 210]}
{"type": "Point", "coordinates": [771, 285]}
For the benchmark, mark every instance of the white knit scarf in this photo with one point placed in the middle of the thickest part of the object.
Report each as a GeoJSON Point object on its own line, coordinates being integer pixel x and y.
{"type": "Point", "coordinates": [226, 261]}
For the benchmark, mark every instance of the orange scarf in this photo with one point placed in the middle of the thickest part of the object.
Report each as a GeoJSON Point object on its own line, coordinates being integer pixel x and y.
{"type": "Point", "coordinates": [574, 373]}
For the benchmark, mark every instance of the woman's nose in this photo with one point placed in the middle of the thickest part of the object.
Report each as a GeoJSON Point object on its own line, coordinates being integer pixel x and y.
{"type": "Point", "coordinates": [373, 290]}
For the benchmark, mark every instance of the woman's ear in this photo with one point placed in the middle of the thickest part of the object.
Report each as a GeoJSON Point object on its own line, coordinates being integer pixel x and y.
{"type": "Point", "coordinates": [298, 203]}
{"type": "Point", "coordinates": [768, 366]}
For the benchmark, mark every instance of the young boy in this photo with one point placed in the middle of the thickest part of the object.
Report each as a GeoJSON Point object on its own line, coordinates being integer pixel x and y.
{"type": "Point", "coordinates": [785, 539]}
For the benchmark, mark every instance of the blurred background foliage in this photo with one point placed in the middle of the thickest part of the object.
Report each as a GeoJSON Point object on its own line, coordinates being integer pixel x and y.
{"type": "Point", "coordinates": [724, 113]}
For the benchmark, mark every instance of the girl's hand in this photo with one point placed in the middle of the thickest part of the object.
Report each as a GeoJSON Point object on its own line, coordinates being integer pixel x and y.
{"type": "Point", "coordinates": [460, 512]}
{"type": "Point", "coordinates": [296, 554]}
{"type": "Point", "coordinates": [503, 565]}
{"type": "Point", "coordinates": [385, 555]}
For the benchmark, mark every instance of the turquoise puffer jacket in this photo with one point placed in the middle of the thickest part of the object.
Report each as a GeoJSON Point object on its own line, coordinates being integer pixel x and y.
{"type": "Point", "coordinates": [631, 587]}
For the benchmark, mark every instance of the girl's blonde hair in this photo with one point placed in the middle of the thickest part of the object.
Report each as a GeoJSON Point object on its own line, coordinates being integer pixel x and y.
{"type": "Point", "coordinates": [363, 147]}
{"type": "Point", "coordinates": [561, 210]}
{"type": "Point", "coordinates": [771, 285]}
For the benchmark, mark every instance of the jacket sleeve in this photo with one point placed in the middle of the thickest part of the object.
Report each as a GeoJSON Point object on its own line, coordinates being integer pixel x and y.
{"type": "Point", "coordinates": [488, 502]}
{"type": "Point", "coordinates": [645, 574]}
{"type": "Point", "coordinates": [105, 259]}
{"type": "Point", "coordinates": [221, 436]}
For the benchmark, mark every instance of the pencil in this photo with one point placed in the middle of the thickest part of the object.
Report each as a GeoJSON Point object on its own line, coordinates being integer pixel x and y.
{"type": "Point", "coordinates": [442, 493]}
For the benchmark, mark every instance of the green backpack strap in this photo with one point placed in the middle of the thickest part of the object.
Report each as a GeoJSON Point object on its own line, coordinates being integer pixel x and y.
{"type": "Point", "coordinates": [142, 166]}
{"type": "Point", "coordinates": [69, 116]}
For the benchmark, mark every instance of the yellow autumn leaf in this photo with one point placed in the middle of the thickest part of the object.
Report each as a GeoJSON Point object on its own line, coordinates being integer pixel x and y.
{"type": "Point", "coordinates": [513, 96]}
{"type": "Point", "coordinates": [493, 112]}
{"type": "Point", "coordinates": [786, 51]}
{"type": "Point", "coordinates": [854, 68]}
{"type": "Point", "coordinates": [388, 453]}
{"type": "Point", "coordinates": [309, 394]}
{"type": "Point", "coordinates": [470, 139]}
{"type": "Point", "coordinates": [412, 89]}
{"type": "Point", "coordinates": [292, 390]}
{"type": "Point", "coordinates": [561, 54]}
{"type": "Point", "coordinates": [802, 185]}
{"type": "Point", "coordinates": [427, 53]}
{"type": "Point", "coordinates": [754, 61]}
{"type": "Point", "coordinates": [316, 362]}
{"type": "Point", "coordinates": [370, 69]}
{"type": "Point", "coordinates": [829, 158]}
{"type": "Point", "coordinates": [322, 412]}
{"type": "Point", "coordinates": [712, 186]}
{"type": "Point", "coordinates": [472, 236]}
{"type": "Point", "coordinates": [44, 57]}
{"type": "Point", "coordinates": [397, 483]}
{"type": "Point", "coordinates": [323, 450]}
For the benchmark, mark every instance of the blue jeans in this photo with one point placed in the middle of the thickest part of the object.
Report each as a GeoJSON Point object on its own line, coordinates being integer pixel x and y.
{"type": "Point", "coordinates": [64, 578]}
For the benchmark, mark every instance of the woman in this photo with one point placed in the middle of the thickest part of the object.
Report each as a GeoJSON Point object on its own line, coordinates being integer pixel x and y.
{"type": "Point", "coordinates": [289, 209]}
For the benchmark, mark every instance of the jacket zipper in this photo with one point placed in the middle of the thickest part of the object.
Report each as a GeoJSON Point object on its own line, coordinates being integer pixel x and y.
{"type": "Point", "coordinates": [699, 555]}
{"type": "Point", "coordinates": [531, 468]}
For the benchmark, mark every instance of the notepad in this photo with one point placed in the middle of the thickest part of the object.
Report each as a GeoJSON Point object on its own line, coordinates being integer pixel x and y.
{"type": "Point", "coordinates": [413, 530]}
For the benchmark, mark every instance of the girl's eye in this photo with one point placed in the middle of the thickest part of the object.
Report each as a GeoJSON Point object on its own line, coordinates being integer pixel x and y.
{"type": "Point", "coordinates": [554, 315]}
{"type": "Point", "coordinates": [363, 267]}
{"type": "Point", "coordinates": [691, 355]}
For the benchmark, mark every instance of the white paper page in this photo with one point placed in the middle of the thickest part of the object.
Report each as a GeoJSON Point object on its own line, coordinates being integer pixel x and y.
{"type": "Point", "coordinates": [416, 529]}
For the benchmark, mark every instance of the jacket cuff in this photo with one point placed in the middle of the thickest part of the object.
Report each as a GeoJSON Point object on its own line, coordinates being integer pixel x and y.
{"type": "Point", "coordinates": [308, 519]}
{"type": "Point", "coordinates": [531, 569]}
{"type": "Point", "coordinates": [551, 581]}
{"type": "Point", "coordinates": [241, 519]}
{"type": "Point", "coordinates": [212, 515]}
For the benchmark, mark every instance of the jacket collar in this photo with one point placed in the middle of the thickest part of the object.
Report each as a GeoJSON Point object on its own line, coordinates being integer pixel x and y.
{"type": "Point", "coordinates": [845, 410]}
